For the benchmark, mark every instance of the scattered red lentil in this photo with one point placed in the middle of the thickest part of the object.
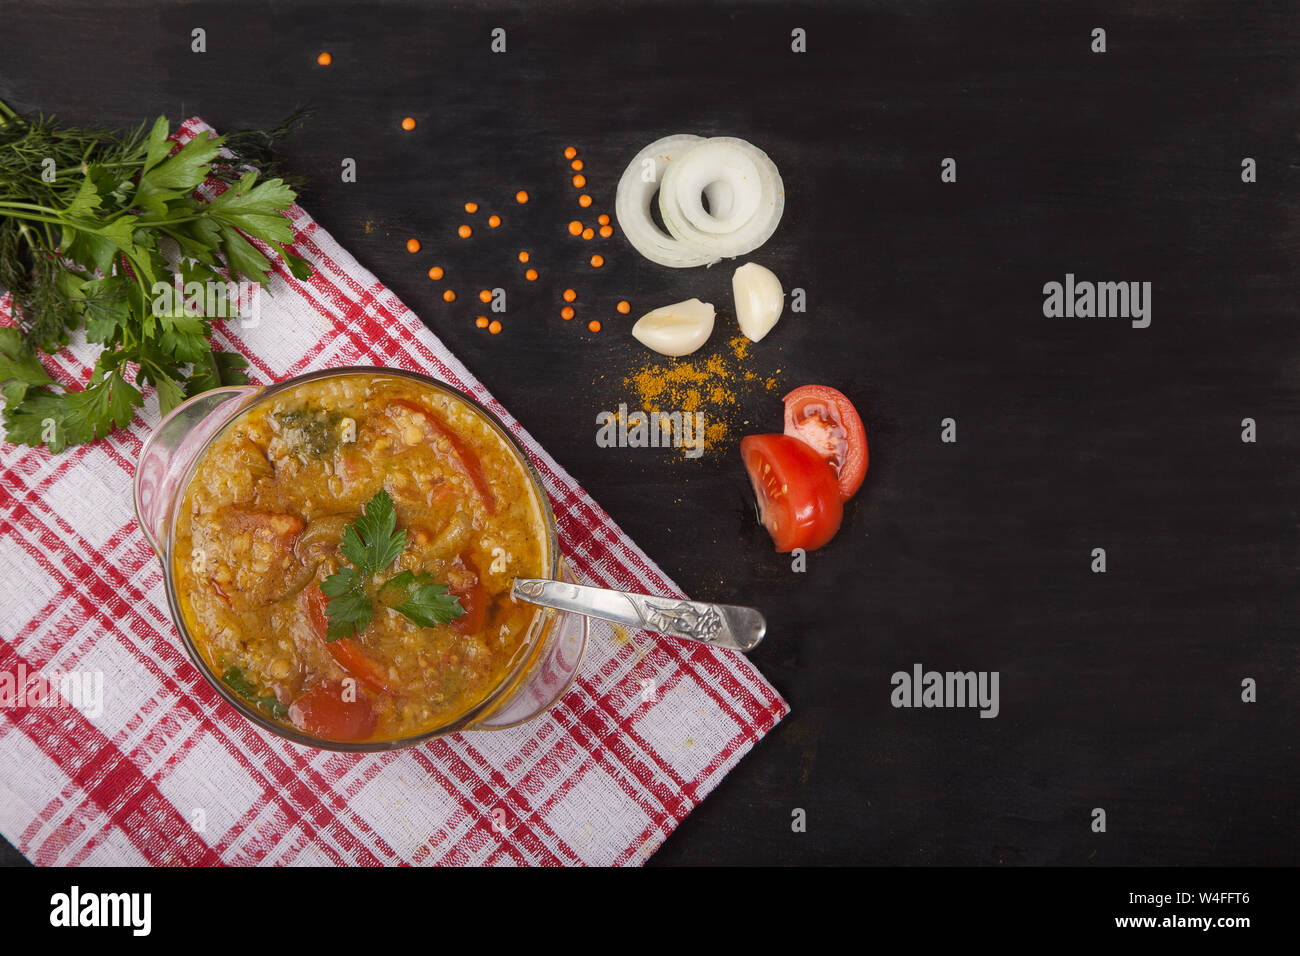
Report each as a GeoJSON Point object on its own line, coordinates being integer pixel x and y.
{"type": "Point", "coordinates": [606, 231]}
{"type": "Point", "coordinates": [594, 325]}
{"type": "Point", "coordinates": [521, 197]}
{"type": "Point", "coordinates": [566, 313]}
{"type": "Point", "coordinates": [471, 207]}
{"type": "Point", "coordinates": [494, 221]}
{"type": "Point", "coordinates": [577, 165]}
{"type": "Point", "coordinates": [584, 200]}
{"type": "Point", "coordinates": [588, 233]}
{"type": "Point", "coordinates": [624, 307]}
{"type": "Point", "coordinates": [464, 232]}
{"type": "Point", "coordinates": [449, 296]}
{"type": "Point", "coordinates": [481, 321]}
{"type": "Point", "coordinates": [570, 152]}
{"type": "Point", "coordinates": [603, 219]}
{"type": "Point", "coordinates": [485, 295]}
{"type": "Point", "coordinates": [435, 272]}
{"type": "Point", "coordinates": [495, 327]}
{"type": "Point", "coordinates": [324, 59]}
{"type": "Point", "coordinates": [524, 256]}
{"type": "Point", "coordinates": [579, 181]}
{"type": "Point", "coordinates": [408, 124]}
{"type": "Point", "coordinates": [531, 275]}
{"type": "Point", "coordinates": [569, 295]}
{"type": "Point", "coordinates": [412, 245]}
{"type": "Point", "coordinates": [575, 228]}
{"type": "Point", "coordinates": [597, 261]}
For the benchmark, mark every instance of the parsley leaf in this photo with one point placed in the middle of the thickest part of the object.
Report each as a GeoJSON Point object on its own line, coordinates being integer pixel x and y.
{"type": "Point", "coordinates": [177, 176]}
{"type": "Point", "coordinates": [421, 599]}
{"type": "Point", "coordinates": [349, 609]}
{"type": "Point", "coordinates": [255, 208]}
{"type": "Point", "coordinates": [217, 368]}
{"type": "Point", "coordinates": [159, 147]}
{"type": "Point", "coordinates": [19, 361]}
{"type": "Point", "coordinates": [372, 542]}
{"type": "Point", "coordinates": [245, 688]}
{"type": "Point", "coordinates": [85, 202]}
{"type": "Point", "coordinates": [60, 419]}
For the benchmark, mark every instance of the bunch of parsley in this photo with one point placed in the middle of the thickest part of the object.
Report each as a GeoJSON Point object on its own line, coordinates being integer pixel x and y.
{"type": "Point", "coordinates": [88, 218]}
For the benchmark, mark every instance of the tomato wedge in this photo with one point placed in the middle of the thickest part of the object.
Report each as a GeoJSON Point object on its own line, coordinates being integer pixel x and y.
{"type": "Point", "coordinates": [473, 599]}
{"type": "Point", "coordinates": [323, 710]}
{"type": "Point", "coordinates": [468, 461]}
{"type": "Point", "coordinates": [346, 651]}
{"type": "Point", "coordinates": [798, 496]}
{"type": "Point", "coordinates": [826, 420]}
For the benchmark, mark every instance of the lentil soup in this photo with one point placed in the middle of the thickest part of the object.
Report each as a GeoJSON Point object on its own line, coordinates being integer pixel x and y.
{"type": "Point", "coordinates": [262, 524]}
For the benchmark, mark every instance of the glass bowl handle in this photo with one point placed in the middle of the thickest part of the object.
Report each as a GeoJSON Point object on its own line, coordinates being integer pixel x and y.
{"type": "Point", "coordinates": [172, 447]}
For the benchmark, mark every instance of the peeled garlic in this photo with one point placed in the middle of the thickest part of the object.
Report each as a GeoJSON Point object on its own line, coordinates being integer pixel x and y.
{"type": "Point", "coordinates": [759, 300]}
{"type": "Point", "coordinates": [677, 329]}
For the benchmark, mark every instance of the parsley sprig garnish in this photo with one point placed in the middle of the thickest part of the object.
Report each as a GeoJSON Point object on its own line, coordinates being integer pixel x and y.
{"type": "Point", "coordinates": [372, 543]}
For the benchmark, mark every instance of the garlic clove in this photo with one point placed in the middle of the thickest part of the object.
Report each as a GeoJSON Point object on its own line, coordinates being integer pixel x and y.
{"type": "Point", "coordinates": [759, 300]}
{"type": "Point", "coordinates": [677, 329]}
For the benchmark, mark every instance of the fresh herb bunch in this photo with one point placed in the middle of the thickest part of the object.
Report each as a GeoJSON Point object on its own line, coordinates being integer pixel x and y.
{"type": "Point", "coordinates": [372, 543]}
{"type": "Point", "coordinates": [88, 218]}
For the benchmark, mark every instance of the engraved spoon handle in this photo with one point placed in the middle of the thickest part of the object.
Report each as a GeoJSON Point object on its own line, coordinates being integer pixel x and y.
{"type": "Point", "coordinates": [721, 625]}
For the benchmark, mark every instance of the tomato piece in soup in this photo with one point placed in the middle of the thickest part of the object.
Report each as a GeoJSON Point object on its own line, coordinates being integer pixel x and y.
{"type": "Point", "coordinates": [331, 710]}
{"type": "Point", "coordinates": [472, 596]}
{"type": "Point", "coordinates": [346, 651]}
{"type": "Point", "coordinates": [428, 428]}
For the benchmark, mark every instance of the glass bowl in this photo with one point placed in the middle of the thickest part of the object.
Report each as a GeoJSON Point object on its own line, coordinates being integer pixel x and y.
{"type": "Point", "coordinates": [548, 658]}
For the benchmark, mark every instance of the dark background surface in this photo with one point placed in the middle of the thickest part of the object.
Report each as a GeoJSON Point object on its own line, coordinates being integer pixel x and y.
{"type": "Point", "coordinates": [1118, 690]}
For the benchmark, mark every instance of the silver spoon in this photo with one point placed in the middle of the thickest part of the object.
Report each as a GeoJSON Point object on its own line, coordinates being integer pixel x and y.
{"type": "Point", "coordinates": [720, 625]}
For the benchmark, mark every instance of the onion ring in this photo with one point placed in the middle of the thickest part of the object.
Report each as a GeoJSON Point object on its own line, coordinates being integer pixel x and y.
{"type": "Point", "coordinates": [758, 198]}
{"type": "Point", "coordinates": [632, 205]}
{"type": "Point", "coordinates": [709, 166]}
{"type": "Point", "coordinates": [743, 189]}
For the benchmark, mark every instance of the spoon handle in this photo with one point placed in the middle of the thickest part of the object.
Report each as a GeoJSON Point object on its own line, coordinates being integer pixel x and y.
{"type": "Point", "coordinates": [721, 625]}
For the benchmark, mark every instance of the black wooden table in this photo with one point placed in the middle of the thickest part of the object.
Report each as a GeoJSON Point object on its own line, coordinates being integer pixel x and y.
{"type": "Point", "coordinates": [1118, 690]}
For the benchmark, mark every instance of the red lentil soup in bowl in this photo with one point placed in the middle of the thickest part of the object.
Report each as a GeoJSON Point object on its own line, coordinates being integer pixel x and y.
{"type": "Point", "coordinates": [339, 550]}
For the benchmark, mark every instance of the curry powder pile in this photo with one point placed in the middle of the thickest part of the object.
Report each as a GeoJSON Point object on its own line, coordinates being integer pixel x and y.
{"type": "Point", "coordinates": [712, 385]}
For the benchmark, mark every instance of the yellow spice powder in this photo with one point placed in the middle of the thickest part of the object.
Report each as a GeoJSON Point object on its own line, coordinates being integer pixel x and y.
{"type": "Point", "coordinates": [711, 385]}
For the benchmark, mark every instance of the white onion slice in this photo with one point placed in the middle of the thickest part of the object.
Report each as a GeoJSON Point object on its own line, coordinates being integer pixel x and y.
{"type": "Point", "coordinates": [721, 199]}
{"type": "Point", "coordinates": [757, 202]}
{"type": "Point", "coordinates": [710, 166]}
{"type": "Point", "coordinates": [632, 205]}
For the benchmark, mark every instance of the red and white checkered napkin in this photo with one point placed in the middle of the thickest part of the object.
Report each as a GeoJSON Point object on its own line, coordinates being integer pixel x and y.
{"type": "Point", "coordinates": [169, 773]}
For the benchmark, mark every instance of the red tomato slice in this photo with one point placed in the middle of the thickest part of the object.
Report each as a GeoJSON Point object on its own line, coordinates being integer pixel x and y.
{"type": "Point", "coordinates": [798, 497]}
{"type": "Point", "coordinates": [827, 421]}
{"type": "Point", "coordinates": [323, 711]}
{"type": "Point", "coordinates": [473, 599]}
{"type": "Point", "coordinates": [465, 456]}
{"type": "Point", "coordinates": [346, 651]}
